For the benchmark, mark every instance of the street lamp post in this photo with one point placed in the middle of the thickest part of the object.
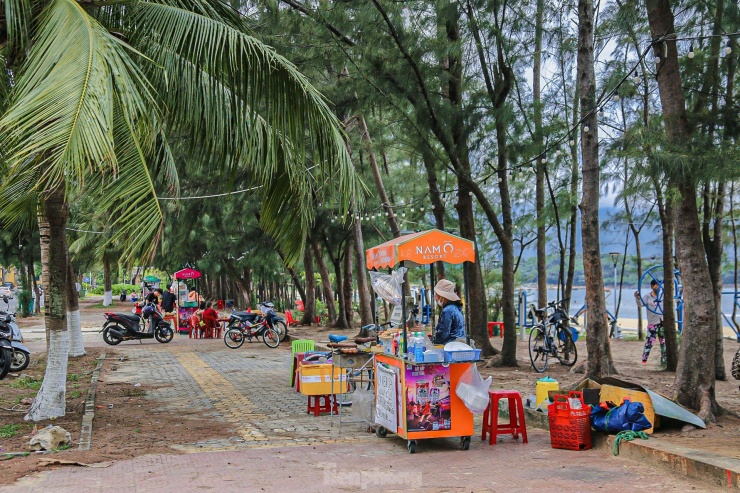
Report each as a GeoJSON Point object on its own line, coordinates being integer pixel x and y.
{"type": "Point", "coordinates": [615, 259]}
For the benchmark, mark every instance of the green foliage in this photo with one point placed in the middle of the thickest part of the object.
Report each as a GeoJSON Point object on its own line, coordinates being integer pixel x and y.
{"type": "Point", "coordinates": [115, 288]}
{"type": "Point", "coordinates": [9, 430]}
{"type": "Point", "coordinates": [24, 301]}
{"type": "Point", "coordinates": [27, 383]}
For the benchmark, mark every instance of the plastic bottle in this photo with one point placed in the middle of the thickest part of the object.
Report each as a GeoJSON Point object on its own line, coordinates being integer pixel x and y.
{"type": "Point", "coordinates": [419, 348]}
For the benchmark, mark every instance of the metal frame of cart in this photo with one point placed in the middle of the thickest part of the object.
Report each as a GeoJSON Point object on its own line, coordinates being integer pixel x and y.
{"type": "Point", "coordinates": [423, 248]}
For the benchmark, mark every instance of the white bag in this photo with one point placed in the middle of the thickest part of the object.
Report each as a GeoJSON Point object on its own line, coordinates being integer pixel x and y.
{"type": "Point", "coordinates": [473, 390]}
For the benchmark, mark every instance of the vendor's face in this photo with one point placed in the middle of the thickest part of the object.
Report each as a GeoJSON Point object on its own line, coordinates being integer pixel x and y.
{"type": "Point", "coordinates": [655, 288]}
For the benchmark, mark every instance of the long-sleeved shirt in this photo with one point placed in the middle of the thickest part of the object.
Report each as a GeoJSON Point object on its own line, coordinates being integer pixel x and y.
{"type": "Point", "coordinates": [653, 305]}
{"type": "Point", "coordinates": [451, 324]}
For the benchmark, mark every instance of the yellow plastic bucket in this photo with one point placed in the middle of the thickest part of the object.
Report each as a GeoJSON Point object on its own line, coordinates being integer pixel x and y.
{"type": "Point", "coordinates": [544, 385]}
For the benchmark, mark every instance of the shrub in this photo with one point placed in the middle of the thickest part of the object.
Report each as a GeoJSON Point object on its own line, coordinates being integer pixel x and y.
{"type": "Point", "coordinates": [116, 288]}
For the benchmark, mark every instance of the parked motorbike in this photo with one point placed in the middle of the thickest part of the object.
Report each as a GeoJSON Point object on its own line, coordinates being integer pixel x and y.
{"type": "Point", "coordinates": [275, 321]}
{"type": "Point", "coordinates": [247, 326]}
{"type": "Point", "coordinates": [150, 324]}
{"type": "Point", "coordinates": [21, 354]}
{"type": "Point", "coordinates": [6, 348]}
{"type": "Point", "coordinates": [736, 365]}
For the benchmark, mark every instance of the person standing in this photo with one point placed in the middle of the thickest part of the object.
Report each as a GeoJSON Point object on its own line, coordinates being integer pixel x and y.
{"type": "Point", "coordinates": [169, 301]}
{"type": "Point", "coordinates": [655, 322]}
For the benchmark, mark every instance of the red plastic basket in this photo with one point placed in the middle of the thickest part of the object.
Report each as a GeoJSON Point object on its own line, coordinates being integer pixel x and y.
{"type": "Point", "coordinates": [570, 429]}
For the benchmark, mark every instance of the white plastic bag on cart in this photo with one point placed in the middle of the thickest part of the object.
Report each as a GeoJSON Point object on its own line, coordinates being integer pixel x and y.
{"type": "Point", "coordinates": [388, 286]}
{"type": "Point", "coordinates": [473, 390]}
{"type": "Point", "coordinates": [362, 405]}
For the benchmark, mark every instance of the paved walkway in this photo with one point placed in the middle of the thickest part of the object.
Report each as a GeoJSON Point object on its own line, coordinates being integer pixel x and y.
{"type": "Point", "coordinates": [276, 446]}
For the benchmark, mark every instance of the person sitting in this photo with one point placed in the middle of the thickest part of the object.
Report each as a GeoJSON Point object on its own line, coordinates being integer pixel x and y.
{"type": "Point", "coordinates": [210, 318]}
{"type": "Point", "coordinates": [451, 324]}
{"type": "Point", "coordinates": [193, 295]}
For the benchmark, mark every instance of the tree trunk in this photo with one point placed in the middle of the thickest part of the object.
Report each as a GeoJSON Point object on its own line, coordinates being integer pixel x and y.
{"type": "Point", "coordinates": [600, 361]}
{"type": "Point", "coordinates": [363, 287]}
{"type": "Point", "coordinates": [573, 201]}
{"type": "Point", "coordinates": [74, 326]}
{"type": "Point", "coordinates": [382, 195]}
{"type": "Point", "coordinates": [713, 248]}
{"type": "Point", "coordinates": [50, 400]}
{"type": "Point", "coordinates": [309, 304]}
{"type": "Point", "coordinates": [438, 206]}
{"type": "Point", "coordinates": [665, 209]}
{"type": "Point", "coordinates": [32, 275]}
{"type": "Point", "coordinates": [108, 288]}
{"type": "Point", "coordinates": [347, 283]}
{"type": "Point", "coordinates": [341, 321]}
{"type": "Point", "coordinates": [540, 178]}
{"type": "Point", "coordinates": [695, 381]}
{"type": "Point", "coordinates": [326, 286]}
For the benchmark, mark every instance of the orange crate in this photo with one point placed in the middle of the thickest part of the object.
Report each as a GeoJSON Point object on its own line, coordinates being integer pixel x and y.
{"type": "Point", "coordinates": [570, 429]}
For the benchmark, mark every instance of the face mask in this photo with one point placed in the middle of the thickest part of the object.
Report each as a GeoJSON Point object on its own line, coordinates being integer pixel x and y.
{"type": "Point", "coordinates": [439, 302]}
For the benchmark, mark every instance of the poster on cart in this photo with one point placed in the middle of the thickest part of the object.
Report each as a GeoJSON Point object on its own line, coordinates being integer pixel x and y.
{"type": "Point", "coordinates": [386, 407]}
{"type": "Point", "coordinates": [428, 398]}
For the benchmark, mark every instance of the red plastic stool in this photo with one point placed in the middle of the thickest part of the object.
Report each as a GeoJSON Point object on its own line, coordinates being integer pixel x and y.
{"type": "Point", "coordinates": [516, 425]}
{"type": "Point", "coordinates": [316, 407]}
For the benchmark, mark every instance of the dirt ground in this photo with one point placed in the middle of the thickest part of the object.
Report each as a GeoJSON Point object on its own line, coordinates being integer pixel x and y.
{"type": "Point", "coordinates": [721, 438]}
{"type": "Point", "coordinates": [131, 427]}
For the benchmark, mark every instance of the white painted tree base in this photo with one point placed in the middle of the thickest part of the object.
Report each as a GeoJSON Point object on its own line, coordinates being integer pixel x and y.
{"type": "Point", "coordinates": [76, 345]}
{"type": "Point", "coordinates": [50, 401]}
{"type": "Point", "coordinates": [108, 298]}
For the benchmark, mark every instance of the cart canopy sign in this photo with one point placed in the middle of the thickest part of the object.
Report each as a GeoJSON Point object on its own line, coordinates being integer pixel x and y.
{"type": "Point", "coordinates": [421, 249]}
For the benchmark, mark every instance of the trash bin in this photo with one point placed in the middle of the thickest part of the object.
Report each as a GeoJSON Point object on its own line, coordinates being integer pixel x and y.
{"type": "Point", "coordinates": [220, 305]}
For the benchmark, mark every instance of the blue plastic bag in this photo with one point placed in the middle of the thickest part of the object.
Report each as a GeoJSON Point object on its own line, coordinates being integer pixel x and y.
{"type": "Point", "coordinates": [612, 419]}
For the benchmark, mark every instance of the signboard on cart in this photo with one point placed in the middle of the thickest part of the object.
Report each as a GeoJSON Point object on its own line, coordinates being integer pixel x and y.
{"type": "Point", "coordinates": [428, 398]}
{"type": "Point", "coordinates": [386, 404]}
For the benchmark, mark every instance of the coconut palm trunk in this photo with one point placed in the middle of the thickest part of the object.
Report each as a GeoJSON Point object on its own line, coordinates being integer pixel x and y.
{"type": "Point", "coordinates": [108, 288]}
{"type": "Point", "coordinates": [74, 325]}
{"type": "Point", "coordinates": [50, 400]}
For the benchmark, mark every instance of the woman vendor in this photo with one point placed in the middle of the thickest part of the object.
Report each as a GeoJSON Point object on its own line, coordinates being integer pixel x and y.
{"type": "Point", "coordinates": [451, 324]}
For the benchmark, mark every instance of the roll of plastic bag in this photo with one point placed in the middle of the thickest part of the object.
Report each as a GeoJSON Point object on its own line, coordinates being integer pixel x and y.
{"type": "Point", "coordinates": [388, 286]}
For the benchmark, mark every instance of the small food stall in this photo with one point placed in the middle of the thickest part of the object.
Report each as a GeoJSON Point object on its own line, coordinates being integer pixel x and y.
{"type": "Point", "coordinates": [186, 308]}
{"type": "Point", "coordinates": [414, 398]}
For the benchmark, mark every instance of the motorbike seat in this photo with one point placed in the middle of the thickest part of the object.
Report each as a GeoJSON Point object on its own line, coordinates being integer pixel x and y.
{"type": "Point", "coordinates": [129, 316]}
{"type": "Point", "coordinates": [245, 316]}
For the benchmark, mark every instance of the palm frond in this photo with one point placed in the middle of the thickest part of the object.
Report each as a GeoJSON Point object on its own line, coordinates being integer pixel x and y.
{"type": "Point", "coordinates": [246, 106]}
{"type": "Point", "coordinates": [61, 113]}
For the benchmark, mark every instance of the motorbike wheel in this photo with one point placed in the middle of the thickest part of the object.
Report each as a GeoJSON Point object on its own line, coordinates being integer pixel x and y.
{"type": "Point", "coordinates": [281, 329]}
{"type": "Point", "coordinates": [6, 357]}
{"type": "Point", "coordinates": [736, 366]}
{"type": "Point", "coordinates": [234, 338]}
{"type": "Point", "coordinates": [271, 337]}
{"type": "Point", "coordinates": [164, 335]}
{"type": "Point", "coordinates": [20, 361]}
{"type": "Point", "coordinates": [109, 338]}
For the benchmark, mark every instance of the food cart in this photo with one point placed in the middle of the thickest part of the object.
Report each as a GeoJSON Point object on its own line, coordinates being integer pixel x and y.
{"type": "Point", "coordinates": [186, 308]}
{"type": "Point", "coordinates": [417, 400]}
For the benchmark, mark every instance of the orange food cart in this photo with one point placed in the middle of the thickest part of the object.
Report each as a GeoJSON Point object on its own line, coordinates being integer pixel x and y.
{"type": "Point", "coordinates": [417, 400]}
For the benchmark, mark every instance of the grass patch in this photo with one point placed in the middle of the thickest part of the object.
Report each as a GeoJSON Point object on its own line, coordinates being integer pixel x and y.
{"type": "Point", "coordinates": [73, 377]}
{"type": "Point", "coordinates": [75, 394]}
{"type": "Point", "coordinates": [134, 392]}
{"type": "Point", "coordinates": [27, 383]}
{"type": "Point", "coordinates": [9, 431]}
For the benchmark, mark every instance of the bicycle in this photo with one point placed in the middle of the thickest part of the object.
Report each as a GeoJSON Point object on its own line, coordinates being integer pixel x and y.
{"type": "Point", "coordinates": [551, 336]}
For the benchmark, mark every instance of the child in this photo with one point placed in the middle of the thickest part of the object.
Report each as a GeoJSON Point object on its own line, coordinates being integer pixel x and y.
{"type": "Point", "coordinates": [655, 322]}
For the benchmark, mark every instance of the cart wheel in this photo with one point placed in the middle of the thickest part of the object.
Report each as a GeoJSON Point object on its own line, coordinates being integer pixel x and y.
{"type": "Point", "coordinates": [465, 443]}
{"type": "Point", "coordinates": [412, 446]}
{"type": "Point", "coordinates": [381, 432]}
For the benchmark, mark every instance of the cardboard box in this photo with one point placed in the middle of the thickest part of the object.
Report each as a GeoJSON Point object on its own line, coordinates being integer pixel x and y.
{"type": "Point", "coordinates": [591, 391]}
{"type": "Point", "coordinates": [317, 379]}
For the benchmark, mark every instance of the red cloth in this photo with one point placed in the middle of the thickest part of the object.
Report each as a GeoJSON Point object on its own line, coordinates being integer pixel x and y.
{"type": "Point", "coordinates": [210, 317]}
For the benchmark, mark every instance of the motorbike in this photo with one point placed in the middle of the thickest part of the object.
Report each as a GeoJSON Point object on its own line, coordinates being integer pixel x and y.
{"type": "Point", "coordinates": [247, 326]}
{"type": "Point", "coordinates": [275, 321]}
{"type": "Point", "coordinates": [736, 365]}
{"type": "Point", "coordinates": [21, 354]}
{"type": "Point", "coordinates": [119, 327]}
{"type": "Point", "coordinates": [6, 348]}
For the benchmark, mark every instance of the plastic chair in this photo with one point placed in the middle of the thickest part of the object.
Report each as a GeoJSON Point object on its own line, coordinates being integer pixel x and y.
{"type": "Point", "coordinates": [195, 328]}
{"type": "Point", "coordinates": [516, 425]}
{"type": "Point", "coordinates": [298, 346]}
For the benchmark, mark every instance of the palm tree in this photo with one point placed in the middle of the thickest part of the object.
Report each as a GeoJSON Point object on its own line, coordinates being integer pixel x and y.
{"type": "Point", "coordinates": [101, 89]}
